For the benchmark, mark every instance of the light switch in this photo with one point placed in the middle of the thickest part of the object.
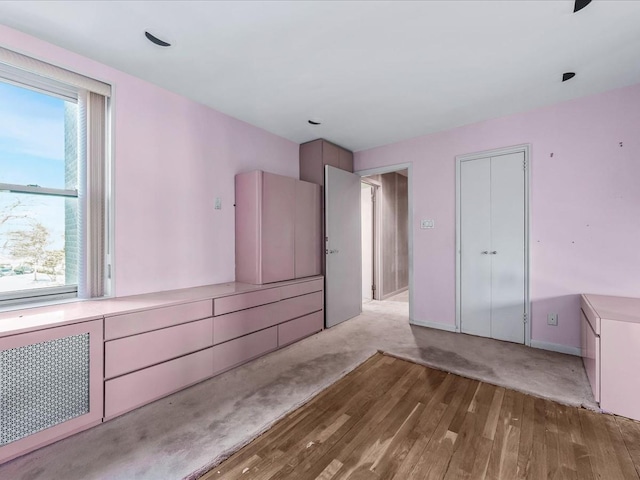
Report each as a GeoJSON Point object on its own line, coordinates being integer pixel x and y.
{"type": "Point", "coordinates": [427, 224]}
{"type": "Point", "coordinates": [218, 204]}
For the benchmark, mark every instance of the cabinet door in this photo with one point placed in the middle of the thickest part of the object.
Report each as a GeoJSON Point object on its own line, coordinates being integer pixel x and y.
{"type": "Point", "coordinates": [346, 160]}
{"type": "Point", "coordinates": [330, 154]}
{"type": "Point", "coordinates": [278, 227]}
{"type": "Point", "coordinates": [311, 166]}
{"type": "Point", "coordinates": [308, 230]}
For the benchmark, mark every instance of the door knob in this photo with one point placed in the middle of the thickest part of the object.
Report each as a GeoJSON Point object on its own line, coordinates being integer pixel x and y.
{"type": "Point", "coordinates": [494, 252]}
{"type": "Point", "coordinates": [486, 252]}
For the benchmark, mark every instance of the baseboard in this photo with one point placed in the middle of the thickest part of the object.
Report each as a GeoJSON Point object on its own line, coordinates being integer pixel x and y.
{"type": "Point", "coordinates": [440, 326]}
{"type": "Point", "coordinates": [393, 294]}
{"type": "Point", "coordinates": [555, 347]}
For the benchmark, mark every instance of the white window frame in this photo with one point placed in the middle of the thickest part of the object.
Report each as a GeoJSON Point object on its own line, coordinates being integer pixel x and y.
{"type": "Point", "coordinates": [19, 76]}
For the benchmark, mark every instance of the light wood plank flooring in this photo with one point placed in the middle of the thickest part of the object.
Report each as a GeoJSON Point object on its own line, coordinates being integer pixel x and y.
{"type": "Point", "coordinates": [392, 419]}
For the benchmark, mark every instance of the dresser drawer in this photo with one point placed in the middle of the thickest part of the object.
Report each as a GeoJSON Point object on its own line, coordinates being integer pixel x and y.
{"type": "Point", "coordinates": [294, 330]}
{"type": "Point", "coordinates": [234, 325]}
{"type": "Point", "coordinates": [138, 351]}
{"type": "Point", "coordinates": [237, 324]}
{"type": "Point", "coordinates": [224, 305]}
{"type": "Point", "coordinates": [136, 389]}
{"type": "Point", "coordinates": [119, 326]}
{"type": "Point", "coordinates": [302, 288]}
{"type": "Point", "coordinates": [230, 354]}
{"type": "Point", "coordinates": [302, 305]}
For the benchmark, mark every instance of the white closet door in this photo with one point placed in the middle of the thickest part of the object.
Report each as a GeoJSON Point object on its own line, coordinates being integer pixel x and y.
{"type": "Point", "coordinates": [475, 229]}
{"type": "Point", "coordinates": [492, 247]}
{"type": "Point", "coordinates": [508, 242]}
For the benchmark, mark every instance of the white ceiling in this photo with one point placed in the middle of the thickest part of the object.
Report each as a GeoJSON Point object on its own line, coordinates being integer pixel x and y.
{"type": "Point", "coordinates": [373, 72]}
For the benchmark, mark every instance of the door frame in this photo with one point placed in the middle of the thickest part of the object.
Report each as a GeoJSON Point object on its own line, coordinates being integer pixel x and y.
{"type": "Point", "coordinates": [526, 149]}
{"type": "Point", "coordinates": [391, 169]}
{"type": "Point", "coordinates": [377, 277]}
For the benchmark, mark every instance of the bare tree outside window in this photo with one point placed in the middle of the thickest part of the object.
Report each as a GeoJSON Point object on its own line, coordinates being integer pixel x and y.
{"type": "Point", "coordinates": [31, 246]}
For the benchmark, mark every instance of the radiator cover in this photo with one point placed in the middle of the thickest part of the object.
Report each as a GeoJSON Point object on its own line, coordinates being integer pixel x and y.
{"type": "Point", "coordinates": [42, 385]}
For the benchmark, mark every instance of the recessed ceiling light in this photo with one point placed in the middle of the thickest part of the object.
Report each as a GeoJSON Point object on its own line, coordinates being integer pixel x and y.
{"type": "Point", "coordinates": [580, 4]}
{"type": "Point", "coordinates": [314, 122]}
{"type": "Point", "coordinates": [568, 76]}
{"type": "Point", "coordinates": [156, 40]}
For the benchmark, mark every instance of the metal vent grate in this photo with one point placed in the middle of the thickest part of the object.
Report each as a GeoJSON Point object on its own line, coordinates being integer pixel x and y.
{"type": "Point", "coordinates": [43, 385]}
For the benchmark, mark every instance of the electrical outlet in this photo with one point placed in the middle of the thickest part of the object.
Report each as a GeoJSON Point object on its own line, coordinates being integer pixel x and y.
{"type": "Point", "coordinates": [427, 224]}
{"type": "Point", "coordinates": [218, 204]}
{"type": "Point", "coordinates": [552, 319]}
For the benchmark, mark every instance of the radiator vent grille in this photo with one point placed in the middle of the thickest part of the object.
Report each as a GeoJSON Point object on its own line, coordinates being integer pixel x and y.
{"type": "Point", "coordinates": [42, 385]}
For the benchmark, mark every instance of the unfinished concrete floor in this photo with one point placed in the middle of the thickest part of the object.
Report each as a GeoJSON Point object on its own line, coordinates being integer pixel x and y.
{"type": "Point", "coordinates": [185, 434]}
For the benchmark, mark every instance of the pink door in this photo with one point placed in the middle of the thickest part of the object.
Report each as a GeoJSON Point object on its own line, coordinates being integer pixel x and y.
{"type": "Point", "coordinates": [308, 230]}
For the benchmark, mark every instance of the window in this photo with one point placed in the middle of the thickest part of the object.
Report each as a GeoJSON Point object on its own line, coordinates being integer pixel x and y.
{"type": "Point", "coordinates": [53, 183]}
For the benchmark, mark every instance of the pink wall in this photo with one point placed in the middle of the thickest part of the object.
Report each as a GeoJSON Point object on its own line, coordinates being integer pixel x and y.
{"type": "Point", "coordinates": [585, 205]}
{"type": "Point", "coordinates": [172, 158]}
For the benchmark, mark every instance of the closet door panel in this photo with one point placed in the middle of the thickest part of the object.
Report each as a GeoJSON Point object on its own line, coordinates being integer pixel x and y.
{"type": "Point", "coordinates": [278, 227]}
{"type": "Point", "coordinates": [475, 230]}
{"type": "Point", "coordinates": [507, 240]}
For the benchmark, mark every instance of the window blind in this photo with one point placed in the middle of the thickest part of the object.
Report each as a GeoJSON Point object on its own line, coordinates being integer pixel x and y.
{"type": "Point", "coordinates": [92, 193]}
{"type": "Point", "coordinates": [32, 65]}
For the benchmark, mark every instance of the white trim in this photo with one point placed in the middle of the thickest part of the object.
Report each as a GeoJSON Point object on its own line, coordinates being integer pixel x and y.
{"type": "Point", "coordinates": [37, 190]}
{"type": "Point", "coordinates": [390, 169]}
{"type": "Point", "coordinates": [439, 326]}
{"type": "Point", "coordinates": [555, 347]}
{"type": "Point", "coordinates": [526, 149]}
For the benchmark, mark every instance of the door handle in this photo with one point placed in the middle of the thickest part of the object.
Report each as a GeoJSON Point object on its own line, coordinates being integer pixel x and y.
{"type": "Point", "coordinates": [332, 251]}
{"type": "Point", "coordinates": [494, 252]}
{"type": "Point", "coordinates": [486, 252]}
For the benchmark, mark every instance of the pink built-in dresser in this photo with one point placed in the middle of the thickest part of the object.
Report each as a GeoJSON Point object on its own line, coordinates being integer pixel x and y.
{"type": "Point", "coordinates": [69, 367]}
{"type": "Point", "coordinates": [610, 329]}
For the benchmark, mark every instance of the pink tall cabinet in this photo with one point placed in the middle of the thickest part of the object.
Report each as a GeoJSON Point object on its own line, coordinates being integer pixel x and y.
{"type": "Point", "coordinates": [610, 331]}
{"type": "Point", "coordinates": [278, 228]}
{"type": "Point", "coordinates": [316, 154]}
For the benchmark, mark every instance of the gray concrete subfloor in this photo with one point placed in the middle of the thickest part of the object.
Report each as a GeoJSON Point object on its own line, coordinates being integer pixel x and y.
{"type": "Point", "coordinates": [185, 434]}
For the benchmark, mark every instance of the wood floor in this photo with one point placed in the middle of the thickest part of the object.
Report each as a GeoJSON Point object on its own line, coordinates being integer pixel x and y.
{"type": "Point", "coordinates": [392, 419]}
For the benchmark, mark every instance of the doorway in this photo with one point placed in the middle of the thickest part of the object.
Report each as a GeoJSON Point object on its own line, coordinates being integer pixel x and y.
{"type": "Point", "coordinates": [385, 237]}
{"type": "Point", "coordinates": [492, 267]}
{"type": "Point", "coordinates": [367, 216]}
